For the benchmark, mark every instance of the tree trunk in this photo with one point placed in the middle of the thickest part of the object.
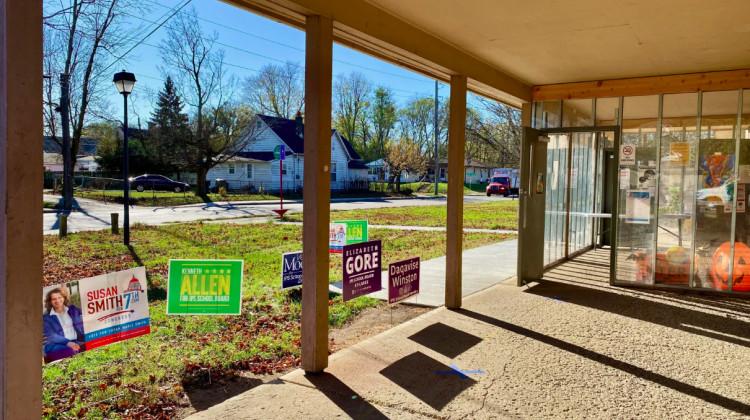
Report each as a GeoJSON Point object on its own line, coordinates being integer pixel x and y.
{"type": "Point", "coordinates": [200, 189]}
{"type": "Point", "coordinates": [398, 183]}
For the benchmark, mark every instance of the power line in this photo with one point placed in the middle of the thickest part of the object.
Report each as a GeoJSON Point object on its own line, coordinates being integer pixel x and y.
{"type": "Point", "coordinates": [286, 45]}
{"type": "Point", "coordinates": [186, 2]}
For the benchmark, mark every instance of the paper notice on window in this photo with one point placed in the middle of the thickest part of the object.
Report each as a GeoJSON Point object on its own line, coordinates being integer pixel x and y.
{"type": "Point", "coordinates": [679, 153]}
{"type": "Point", "coordinates": [573, 178]}
{"type": "Point", "coordinates": [741, 197]}
{"type": "Point", "coordinates": [744, 174]}
{"type": "Point", "coordinates": [625, 178]}
{"type": "Point", "coordinates": [638, 207]}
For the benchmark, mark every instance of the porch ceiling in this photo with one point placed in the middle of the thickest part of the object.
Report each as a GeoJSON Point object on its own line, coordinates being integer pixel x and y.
{"type": "Point", "coordinates": [508, 46]}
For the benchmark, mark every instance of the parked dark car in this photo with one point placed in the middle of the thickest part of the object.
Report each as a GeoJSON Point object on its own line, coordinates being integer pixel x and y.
{"type": "Point", "coordinates": [157, 182]}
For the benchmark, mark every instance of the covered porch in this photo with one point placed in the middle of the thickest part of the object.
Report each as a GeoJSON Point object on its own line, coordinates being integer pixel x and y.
{"type": "Point", "coordinates": [537, 56]}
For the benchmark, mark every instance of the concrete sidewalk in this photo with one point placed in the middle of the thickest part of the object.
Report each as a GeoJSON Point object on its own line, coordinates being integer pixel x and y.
{"type": "Point", "coordinates": [483, 267]}
{"type": "Point", "coordinates": [570, 347]}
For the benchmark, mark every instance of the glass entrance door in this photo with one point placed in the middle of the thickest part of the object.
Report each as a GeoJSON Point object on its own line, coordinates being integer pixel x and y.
{"type": "Point", "coordinates": [575, 194]}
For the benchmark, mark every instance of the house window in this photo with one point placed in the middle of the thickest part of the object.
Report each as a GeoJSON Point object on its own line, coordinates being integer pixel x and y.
{"type": "Point", "coordinates": [257, 125]}
{"type": "Point", "coordinates": [231, 168]}
{"type": "Point", "coordinates": [249, 171]}
{"type": "Point", "coordinates": [333, 172]}
{"type": "Point", "coordinates": [283, 168]}
{"type": "Point", "coordinates": [442, 172]}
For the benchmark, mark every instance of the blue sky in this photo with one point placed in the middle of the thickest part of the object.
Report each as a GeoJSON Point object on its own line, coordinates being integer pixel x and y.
{"type": "Point", "coordinates": [251, 41]}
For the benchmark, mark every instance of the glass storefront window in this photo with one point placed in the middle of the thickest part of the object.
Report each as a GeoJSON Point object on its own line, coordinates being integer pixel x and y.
{"type": "Point", "coordinates": [637, 172]}
{"type": "Point", "coordinates": [583, 160]}
{"type": "Point", "coordinates": [607, 111]}
{"type": "Point", "coordinates": [679, 141]}
{"type": "Point", "coordinates": [556, 198]}
{"type": "Point", "coordinates": [577, 112]}
{"type": "Point", "coordinates": [715, 190]}
{"type": "Point", "coordinates": [547, 114]}
{"type": "Point", "coordinates": [741, 258]}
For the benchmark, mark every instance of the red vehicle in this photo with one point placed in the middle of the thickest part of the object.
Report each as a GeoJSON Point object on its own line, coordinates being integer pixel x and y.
{"type": "Point", "coordinates": [503, 181]}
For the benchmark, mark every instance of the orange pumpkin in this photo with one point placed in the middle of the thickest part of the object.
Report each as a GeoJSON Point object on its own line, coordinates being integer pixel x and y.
{"type": "Point", "coordinates": [720, 268]}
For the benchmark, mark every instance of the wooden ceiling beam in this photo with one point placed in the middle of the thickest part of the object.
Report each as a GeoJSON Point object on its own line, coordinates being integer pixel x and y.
{"type": "Point", "coordinates": [677, 83]}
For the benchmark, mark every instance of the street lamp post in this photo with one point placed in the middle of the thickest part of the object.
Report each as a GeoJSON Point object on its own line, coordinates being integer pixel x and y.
{"type": "Point", "coordinates": [124, 82]}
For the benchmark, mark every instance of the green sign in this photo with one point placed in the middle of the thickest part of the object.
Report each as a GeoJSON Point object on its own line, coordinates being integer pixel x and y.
{"type": "Point", "coordinates": [356, 231]}
{"type": "Point", "coordinates": [279, 152]}
{"type": "Point", "coordinates": [204, 287]}
{"type": "Point", "coordinates": [470, 174]}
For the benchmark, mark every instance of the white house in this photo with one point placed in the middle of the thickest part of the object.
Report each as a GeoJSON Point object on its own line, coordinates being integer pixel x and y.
{"type": "Point", "coordinates": [378, 171]}
{"type": "Point", "coordinates": [256, 168]}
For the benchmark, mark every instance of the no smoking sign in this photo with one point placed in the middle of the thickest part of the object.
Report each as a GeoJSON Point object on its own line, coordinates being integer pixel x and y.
{"type": "Point", "coordinates": [627, 155]}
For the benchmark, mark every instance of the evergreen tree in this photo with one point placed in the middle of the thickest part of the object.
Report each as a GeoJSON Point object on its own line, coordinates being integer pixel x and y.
{"type": "Point", "coordinates": [169, 130]}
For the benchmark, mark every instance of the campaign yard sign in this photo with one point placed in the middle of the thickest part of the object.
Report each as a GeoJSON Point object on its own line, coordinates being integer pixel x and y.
{"type": "Point", "coordinates": [115, 307]}
{"type": "Point", "coordinates": [291, 270]}
{"type": "Point", "coordinates": [361, 269]}
{"type": "Point", "coordinates": [93, 312]}
{"type": "Point", "coordinates": [356, 231]}
{"type": "Point", "coordinates": [204, 287]}
{"type": "Point", "coordinates": [336, 237]}
{"type": "Point", "coordinates": [403, 280]}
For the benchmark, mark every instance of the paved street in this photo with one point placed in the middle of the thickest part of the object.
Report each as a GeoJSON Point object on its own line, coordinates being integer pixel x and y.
{"type": "Point", "coordinates": [95, 215]}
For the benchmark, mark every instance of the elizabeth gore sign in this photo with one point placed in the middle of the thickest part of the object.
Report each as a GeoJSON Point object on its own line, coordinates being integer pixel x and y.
{"type": "Point", "coordinates": [291, 270]}
{"type": "Point", "coordinates": [403, 280]}
{"type": "Point", "coordinates": [204, 287]}
{"type": "Point", "coordinates": [361, 269]}
{"type": "Point", "coordinates": [93, 312]}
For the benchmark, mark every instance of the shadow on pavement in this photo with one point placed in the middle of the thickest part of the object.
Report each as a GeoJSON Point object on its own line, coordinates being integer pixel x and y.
{"type": "Point", "coordinates": [205, 398]}
{"type": "Point", "coordinates": [707, 396]}
{"type": "Point", "coordinates": [732, 330]}
{"type": "Point", "coordinates": [344, 397]}
{"type": "Point", "coordinates": [445, 340]}
{"type": "Point", "coordinates": [425, 378]}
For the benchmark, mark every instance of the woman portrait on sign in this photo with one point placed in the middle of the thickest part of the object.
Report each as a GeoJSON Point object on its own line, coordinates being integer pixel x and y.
{"type": "Point", "coordinates": [63, 326]}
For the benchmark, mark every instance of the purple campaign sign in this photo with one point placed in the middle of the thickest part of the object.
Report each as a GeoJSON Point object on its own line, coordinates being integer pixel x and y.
{"type": "Point", "coordinates": [361, 269]}
{"type": "Point", "coordinates": [403, 280]}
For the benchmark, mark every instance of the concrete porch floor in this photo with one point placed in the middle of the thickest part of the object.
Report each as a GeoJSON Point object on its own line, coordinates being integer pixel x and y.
{"type": "Point", "coordinates": [569, 347]}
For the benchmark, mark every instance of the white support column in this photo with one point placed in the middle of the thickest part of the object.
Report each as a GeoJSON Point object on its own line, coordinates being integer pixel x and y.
{"type": "Point", "coordinates": [20, 209]}
{"type": "Point", "coordinates": [317, 192]}
{"type": "Point", "coordinates": [455, 222]}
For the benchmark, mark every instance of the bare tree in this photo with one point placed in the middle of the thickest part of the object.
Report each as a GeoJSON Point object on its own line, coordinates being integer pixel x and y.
{"type": "Point", "coordinates": [80, 38]}
{"type": "Point", "coordinates": [351, 106]}
{"type": "Point", "coordinates": [278, 90]}
{"type": "Point", "coordinates": [493, 133]}
{"type": "Point", "coordinates": [220, 127]}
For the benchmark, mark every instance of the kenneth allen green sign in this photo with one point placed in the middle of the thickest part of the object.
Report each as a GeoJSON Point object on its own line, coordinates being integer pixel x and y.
{"type": "Point", "coordinates": [356, 231]}
{"type": "Point", "coordinates": [204, 287]}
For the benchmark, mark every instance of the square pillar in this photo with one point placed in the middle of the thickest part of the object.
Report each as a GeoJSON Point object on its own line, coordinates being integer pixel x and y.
{"type": "Point", "coordinates": [317, 192]}
{"type": "Point", "coordinates": [21, 203]}
{"type": "Point", "coordinates": [455, 222]}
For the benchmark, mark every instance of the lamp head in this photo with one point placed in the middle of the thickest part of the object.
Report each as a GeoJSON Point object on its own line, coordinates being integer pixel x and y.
{"type": "Point", "coordinates": [124, 82]}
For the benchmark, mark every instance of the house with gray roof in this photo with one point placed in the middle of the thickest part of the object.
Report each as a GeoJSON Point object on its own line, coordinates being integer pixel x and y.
{"type": "Point", "coordinates": [255, 168]}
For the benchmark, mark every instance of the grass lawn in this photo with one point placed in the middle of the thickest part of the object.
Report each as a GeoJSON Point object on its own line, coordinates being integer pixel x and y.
{"type": "Point", "coordinates": [147, 377]}
{"type": "Point", "coordinates": [492, 215]}
{"type": "Point", "coordinates": [429, 188]}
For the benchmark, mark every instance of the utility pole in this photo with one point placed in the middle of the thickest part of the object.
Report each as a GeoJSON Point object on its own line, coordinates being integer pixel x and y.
{"type": "Point", "coordinates": [437, 164]}
{"type": "Point", "coordinates": [65, 119]}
